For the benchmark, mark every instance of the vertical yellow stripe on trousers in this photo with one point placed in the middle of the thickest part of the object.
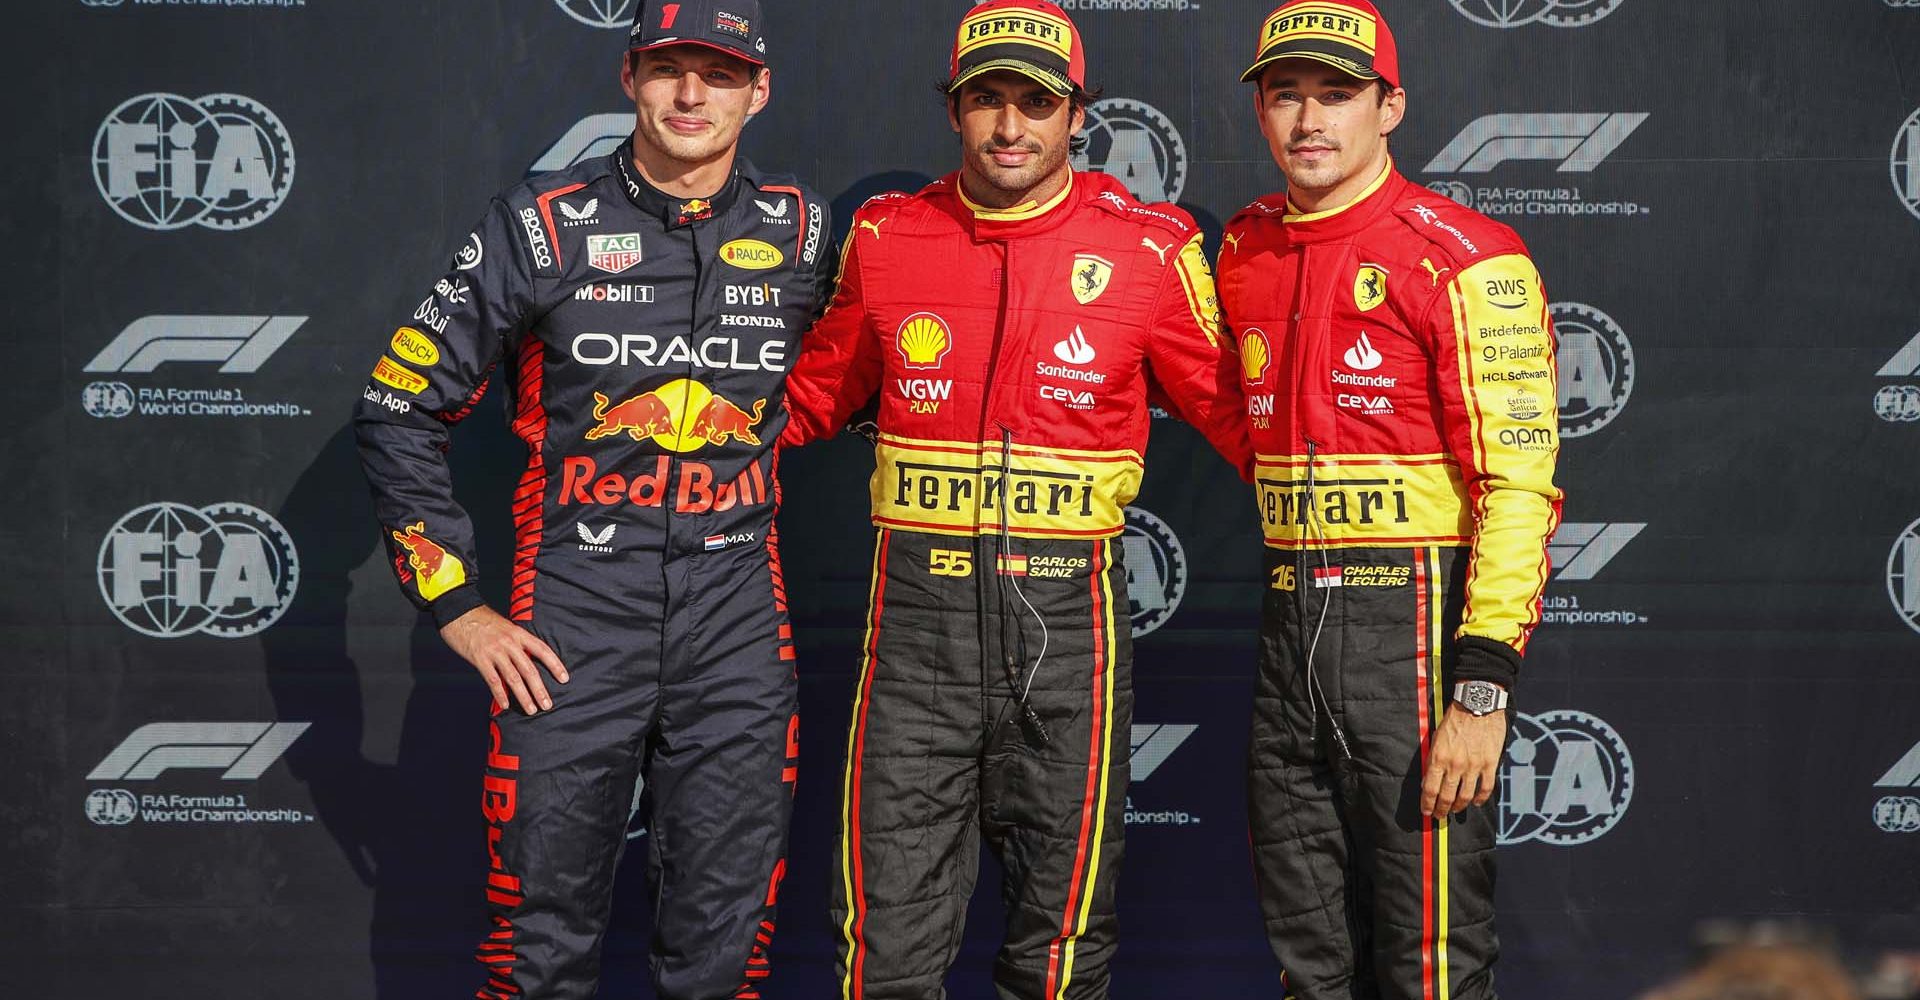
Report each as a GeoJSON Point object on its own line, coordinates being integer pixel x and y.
{"type": "Point", "coordinates": [1106, 755]}
{"type": "Point", "coordinates": [846, 781]}
{"type": "Point", "coordinates": [1436, 613]}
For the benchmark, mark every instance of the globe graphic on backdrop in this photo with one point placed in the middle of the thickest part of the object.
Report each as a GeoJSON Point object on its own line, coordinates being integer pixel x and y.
{"type": "Point", "coordinates": [179, 123]}
{"type": "Point", "coordinates": [161, 610]}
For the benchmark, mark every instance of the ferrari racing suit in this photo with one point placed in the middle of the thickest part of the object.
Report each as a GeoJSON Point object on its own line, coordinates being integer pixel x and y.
{"type": "Point", "coordinates": [1013, 351]}
{"type": "Point", "coordinates": [1398, 364]}
{"type": "Point", "coordinates": [645, 343]}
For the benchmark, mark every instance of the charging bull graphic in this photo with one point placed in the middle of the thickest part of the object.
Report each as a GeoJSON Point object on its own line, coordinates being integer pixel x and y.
{"type": "Point", "coordinates": [720, 419]}
{"type": "Point", "coordinates": [682, 415]}
{"type": "Point", "coordinates": [435, 570]}
{"type": "Point", "coordinates": [641, 417]}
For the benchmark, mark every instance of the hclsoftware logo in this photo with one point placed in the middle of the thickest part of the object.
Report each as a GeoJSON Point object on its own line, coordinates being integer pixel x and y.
{"type": "Point", "coordinates": [238, 344]}
{"type": "Point", "coordinates": [166, 162]}
{"type": "Point", "coordinates": [239, 751]}
{"type": "Point", "coordinates": [1556, 13]}
{"type": "Point", "coordinates": [1566, 779]}
{"type": "Point", "coordinates": [1594, 360]}
{"type": "Point", "coordinates": [600, 13]}
{"type": "Point", "coordinates": [594, 135]}
{"type": "Point", "coordinates": [169, 570]}
{"type": "Point", "coordinates": [1904, 163]}
{"type": "Point", "coordinates": [1137, 145]}
{"type": "Point", "coordinates": [1156, 570]}
{"type": "Point", "coordinates": [1903, 575]}
{"type": "Point", "coordinates": [1900, 404]}
{"type": "Point", "coordinates": [1900, 813]}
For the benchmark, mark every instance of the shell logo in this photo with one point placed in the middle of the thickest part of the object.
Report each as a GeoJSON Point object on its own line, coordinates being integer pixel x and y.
{"type": "Point", "coordinates": [924, 340]}
{"type": "Point", "coordinates": [1255, 354]}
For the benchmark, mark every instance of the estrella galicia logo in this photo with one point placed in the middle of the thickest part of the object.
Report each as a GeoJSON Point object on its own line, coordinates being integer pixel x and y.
{"type": "Point", "coordinates": [1566, 779]}
{"type": "Point", "coordinates": [1595, 361]}
{"type": "Point", "coordinates": [1138, 146]}
{"type": "Point", "coordinates": [1903, 575]}
{"type": "Point", "coordinates": [112, 807]}
{"type": "Point", "coordinates": [1900, 813]}
{"type": "Point", "coordinates": [169, 570]}
{"type": "Point", "coordinates": [165, 162]}
{"type": "Point", "coordinates": [1514, 13]}
{"type": "Point", "coordinates": [1156, 570]}
{"type": "Point", "coordinates": [1904, 163]}
{"type": "Point", "coordinates": [594, 135]}
{"type": "Point", "coordinates": [600, 13]}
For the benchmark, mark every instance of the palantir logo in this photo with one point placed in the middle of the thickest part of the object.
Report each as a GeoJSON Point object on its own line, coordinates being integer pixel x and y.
{"type": "Point", "coordinates": [1903, 575]}
{"type": "Point", "coordinates": [1580, 142]}
{"type": "Point", "coordinates": [1595, 363]}
{"type": "Point", "coordinates": [1138, 146]}
{"type": "Point", "coordinates": [169, 570]}
{"type": "Point", "coordinates": [164, 161]}
{"type": "Point", "coordinates": [1904, 163]}
{"type": "Point", "coordinates": [1152, 745]}
{"type": "Point", "coordinates": [241, 751]}
{"type": "Point", "coordinates": [600, 13]}
{"type": "Point", "coordinates": [239, 344]}
{"type": "Point", "coordinates": [1514, 13]}
{"type": "Point", "coordinates": [594, 135]}
{"type": "Point", "coordinates": [1566, 779]}
{"type": "Point", "coordinates": [1156, 570]}
{"type": "Point", "coordinates": [1579, 551]}
{"type": "Point", "coordinates": [1900, 813]}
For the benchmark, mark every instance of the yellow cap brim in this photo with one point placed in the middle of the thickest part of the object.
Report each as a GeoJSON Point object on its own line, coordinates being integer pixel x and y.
{"type": "Point", "coordinates": [1047, 78]}
{"type": "Point", "coordinates": [1343, 65]}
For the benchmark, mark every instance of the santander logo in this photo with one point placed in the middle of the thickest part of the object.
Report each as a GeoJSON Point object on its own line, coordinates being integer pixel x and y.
{"type": "Point", "coordinates": [1361, 356]}
{"type": "Point", "coordinates": [1076, 351]}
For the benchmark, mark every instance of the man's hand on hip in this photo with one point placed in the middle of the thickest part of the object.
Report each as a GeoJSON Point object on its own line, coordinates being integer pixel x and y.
{"type": "Point", "coordinates": [1464, 762]}
{"type": "Point", "coordinates": [504, 654]}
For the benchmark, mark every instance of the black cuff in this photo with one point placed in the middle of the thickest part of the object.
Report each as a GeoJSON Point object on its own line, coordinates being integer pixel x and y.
{"type": "Point", "coordinates": [454, 603]}
{"type": "Point", "coordinates": [1483, 659]}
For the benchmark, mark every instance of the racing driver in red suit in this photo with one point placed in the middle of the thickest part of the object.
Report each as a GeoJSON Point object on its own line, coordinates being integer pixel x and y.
{"type": "Point", "coordinates": [1014, 317]}
{"type": "Point", "coordinates": [1398, 365]}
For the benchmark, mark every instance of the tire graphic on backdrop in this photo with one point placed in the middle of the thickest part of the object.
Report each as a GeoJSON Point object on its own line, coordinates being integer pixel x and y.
{"type": "Point", "coordinates": [1138, 146]}
{"type": "Point", "coordinates": [166, 162]}
{"type": "Point", "coordinates": [1156, 570]}
{"type": "Point", "coordinates": [1904, 163]}
{"type": "Point", "coordinates": [1514, 13]}
{"type": "Point", "coordinates": [600, 13]}
{"type": "Point", "coordinates": [1566, 779]}
{"type": "Point", "coordinates": [1595, 363]}
{"type": "Point", "coordinates": [1903, 575]}
{"type": "Point", "coordinates": [169, 570]}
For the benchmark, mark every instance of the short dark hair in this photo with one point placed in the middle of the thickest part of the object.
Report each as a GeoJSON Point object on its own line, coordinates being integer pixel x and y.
{"type": "Point", "coordinates": [1077, 100]}
{"type": "Point", "coordinates": [633, 57]}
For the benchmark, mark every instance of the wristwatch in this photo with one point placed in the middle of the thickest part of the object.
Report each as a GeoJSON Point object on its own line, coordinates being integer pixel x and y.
{"type": "Point", "coordinates": [1480, 697]}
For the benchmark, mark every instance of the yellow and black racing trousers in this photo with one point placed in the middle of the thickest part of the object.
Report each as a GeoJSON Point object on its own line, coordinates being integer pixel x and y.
{"type": "Point", "coordinates": [1363, 897]}
{"type": "Point", "coordinates": [940, 754]}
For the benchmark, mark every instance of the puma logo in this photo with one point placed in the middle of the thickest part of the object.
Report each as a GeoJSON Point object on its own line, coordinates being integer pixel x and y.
{"type": "Point", "coordinates": [1158, 250]}
{"type": "Point", "coordinates": [875, 226]}
{"type": "Point", "coordinates": [1232, 239]}
{"type": "Point", "coordinates": [1434, 272]}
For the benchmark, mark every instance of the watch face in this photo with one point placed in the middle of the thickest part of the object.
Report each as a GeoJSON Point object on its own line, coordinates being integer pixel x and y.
{"type": "Point", "coordinates": [1479, 698]}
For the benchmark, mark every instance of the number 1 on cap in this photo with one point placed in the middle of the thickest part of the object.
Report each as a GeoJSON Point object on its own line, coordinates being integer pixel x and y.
{"type": "Point", "coordinates": [667, 14]}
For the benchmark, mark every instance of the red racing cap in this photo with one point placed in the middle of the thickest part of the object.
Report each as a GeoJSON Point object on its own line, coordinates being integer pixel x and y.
{"type": "Point", "coordinates": [1031, 37]}
{"type": "Point", "coordinates": [731, 26]}
{"type": "Point", "coordinates": [1349, 35]}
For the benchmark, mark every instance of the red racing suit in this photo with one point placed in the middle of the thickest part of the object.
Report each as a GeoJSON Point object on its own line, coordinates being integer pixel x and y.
{"type": "Point", "coordinates": [1013, 352]}
{"type": "Point", "coordinates": [1398, 364]}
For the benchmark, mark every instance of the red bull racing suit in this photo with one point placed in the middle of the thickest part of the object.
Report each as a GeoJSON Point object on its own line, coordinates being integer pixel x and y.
{"type": "Point", "coordinates": [645, 342]}
{"type": "Point", "coordinates": [1398, 363]}
{"type": "Point", "coordinates": [1013, 352]}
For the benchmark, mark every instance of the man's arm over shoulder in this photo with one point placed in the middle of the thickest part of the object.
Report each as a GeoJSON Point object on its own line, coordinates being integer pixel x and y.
{"type": "Point", "coordinates": [840, 363]}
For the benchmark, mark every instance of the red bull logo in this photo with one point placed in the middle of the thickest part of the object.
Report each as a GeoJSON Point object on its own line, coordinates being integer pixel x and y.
{"type": "Point", "coordinates": [435, 570]}
{"type": "Point", "coordinates": [696, 491]}
{"type": "Point", "coordinates": [681, 416]}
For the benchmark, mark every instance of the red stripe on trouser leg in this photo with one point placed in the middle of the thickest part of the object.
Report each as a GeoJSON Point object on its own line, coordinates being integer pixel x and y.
{"type": "Point", "coordinates": [1423, 607]}
{"type": "Point", "coordinates": [857, 944]}
{"type": "Point", "coordinates": [1096, 759]}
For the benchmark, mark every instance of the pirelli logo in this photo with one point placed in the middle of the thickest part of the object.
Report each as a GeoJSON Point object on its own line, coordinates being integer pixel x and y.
{"type": "Point", "coordinates": [1361, 501]}
{"type": "Point", "coordinates": [958, 488]}
{"type": "Point", "coordinates": [1035, 28]}
{"type": "Point", "coordinates": [1319, 20]}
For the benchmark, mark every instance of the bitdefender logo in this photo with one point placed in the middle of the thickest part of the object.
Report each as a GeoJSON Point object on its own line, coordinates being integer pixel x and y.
{"type": "Point", "coordinates": [1156, 570]}
{"type": "Point", "coordinates": [169, 570]}
{"type": "Point", "coordinates": [166, 162]}
{"type": "Point", "coordinates": [1553, 13]}
{"type": "Point", "coordinates": [1135, 144]}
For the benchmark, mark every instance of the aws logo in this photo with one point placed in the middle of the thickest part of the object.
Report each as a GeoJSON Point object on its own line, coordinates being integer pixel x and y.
{"type": "Point", "coordinates": [1508, 293]}
{"type": "Point", "coordinates": [924, 340]}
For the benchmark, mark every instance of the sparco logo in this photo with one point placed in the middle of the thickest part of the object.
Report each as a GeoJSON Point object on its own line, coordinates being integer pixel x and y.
{"type": "Point", "coordinates": [1138, 146]}
{"type": "Point", "coordinates": [1905, 163]}
{"type": "Point", "coordinates": [600, 13]}
{"type": "Point", "coordinates": [1152, 745]}
{"type": "Point", "coordinates": [1156, 570]}
{"type": "Point", "coordinates": [1580, 142]}
{"type": "Point", "coordinates": [1903, 575]}
{"type": "Point", "coordinates": [241, 751]}
{"type": "Point", "coordinates": [169, 570]}
{"type": "Point", "coordinates": [239, 344]}
{"type": "Point", "coordinates": [1514, 13]}
{"type": "Point", "coordinates": [1900, 404]}
{"type": "Point", "coordinates": [1596, 368]}
{"type": "Point", "coordinates": [164, 161]}
{"type": "Point", "coordinates": [1900, 813]}
{"type": "Point", "coordinates": [1580, 551]}
{"type": "Point", "coordinates": [594, 135]}
{"type": "Point", "coordinates": [1566, 779]}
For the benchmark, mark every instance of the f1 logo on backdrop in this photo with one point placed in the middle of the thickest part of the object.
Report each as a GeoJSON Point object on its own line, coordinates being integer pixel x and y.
{"type": "Point", "coordinates": [241, 751]}
{"type": "Point", "coordinates": [1900, 813]}
{"type": "Point", "coordinates": [1566, 779]}
{"type": "Point", "coordinates": [600, 13]}
{"type": "Point", "coordinates": [1557, 13]}
{"type": "Point", "coordinates": [1152, 745]}
{"type": "Point", "coordinates": [1904, 163]}
{"type": "Point", "coordinates": [594, 135]}
{"type": "Point", "coordinates": [1900, 404]}
{"type": "Point", "coordinates": [1580, 142]}
{"type": "Point", "coordinates": [1903, 575]}
{"type": "Point", "coordinates": [169, 570]}
{"type": "Point", "coordinates": [1580, 551]}
{"type": "Point", "coordinates": [238, 344]}
{"type": "Point", "coordinates": [163, 161]}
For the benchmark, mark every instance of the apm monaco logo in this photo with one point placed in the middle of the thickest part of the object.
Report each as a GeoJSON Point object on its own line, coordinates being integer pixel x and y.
{"type": "Point", "coordinates": [1579, 551]}
{"type": "Point", "coordinates": [600, 13]}
{"type": "Point", "coordinates": [1904, 163]}
{"type": "Point", "coordinates": [240, 751]}
{"type": "Point", "coordinates": [1554, 13]}
{"type": "Point", "coordinates": [1156, 570]}
{"type": "Point", "coordinates": [1595, 362]}
{"type": "Point", "coordinates": [1900, 404]}
{"type": "Point", "coordinates": [1566, 779]}
{"type": "Point", "coordinates": [166, 162]}
{"type": "Point", "coordinates": [1898, 813]}
{"type": "Point", "coordinates": [1903, 575]}
{"type": "Point", "coordinates": [169, 570]}
{"type": "Point", "coordinates": [1136, 145]}
{"type": "Point", "coordinates": [1574, 143]}
{"type": "Point", "coordinates": [590, 137]}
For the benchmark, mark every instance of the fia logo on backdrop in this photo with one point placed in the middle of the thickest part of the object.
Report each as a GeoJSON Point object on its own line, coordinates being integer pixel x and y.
{"type": "Point", "coordinates": [1566, 779]}
{"type": "Point", "coordinates": [601, 13]}
{"type": "Point", "coordinates": [1900, 813]}
{"type": "Point", "coordinates": [169, 570]}
{"type": "Point", "coordinates": [166, 162]}
{"type": "Point", "coordinates": [1900, 404]}
{"type": "Point", "coordinates": [1903, 575]}
{"type": "Point", "coordinates": [1156, 570]}
{"type": "Point", "coordinates": [1136, 145]}
{"type": "Point", "coordinates": [1595, 362]}
{"type": "Point", "coordinates": [1904, 163]}
{"type": "Point", "coordinates": [1554, 13]}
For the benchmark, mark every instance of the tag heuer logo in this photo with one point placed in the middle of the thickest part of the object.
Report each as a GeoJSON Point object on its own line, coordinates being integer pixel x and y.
{"type": "Point", "coordinates": [613, 253]}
